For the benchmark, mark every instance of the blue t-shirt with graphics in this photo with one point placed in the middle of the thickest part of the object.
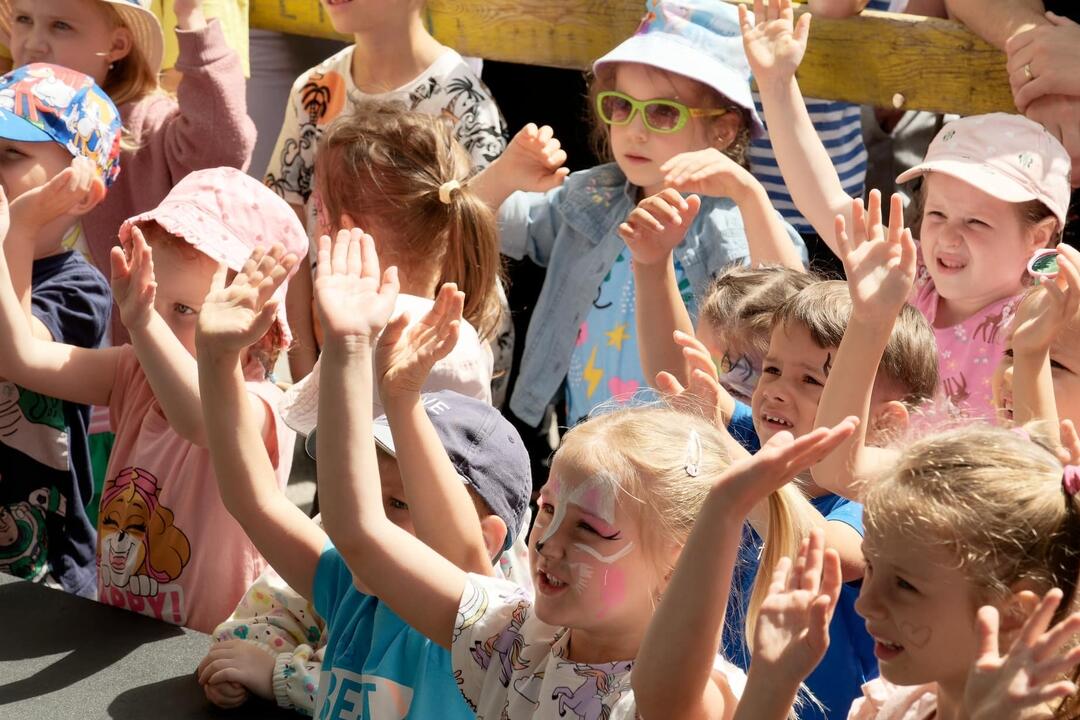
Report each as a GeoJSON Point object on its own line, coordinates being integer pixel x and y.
{"type": "Point", "coordinates": [45, 474]}
{"type": "Point", "coordinates": [376, 667]}
{"type": "Point", "coordinates": [605, 365]}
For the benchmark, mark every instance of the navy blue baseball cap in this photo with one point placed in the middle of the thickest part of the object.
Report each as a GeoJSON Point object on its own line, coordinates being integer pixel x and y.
{"type": "Point", "coordinates": [483, 447]}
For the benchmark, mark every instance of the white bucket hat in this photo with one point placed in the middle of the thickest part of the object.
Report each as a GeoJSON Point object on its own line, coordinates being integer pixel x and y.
{"type": "Point", "coordinates": [136, 16]}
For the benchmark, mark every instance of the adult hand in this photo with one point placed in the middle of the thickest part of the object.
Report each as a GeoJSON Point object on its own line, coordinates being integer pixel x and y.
{"type": "Point", "coordinates": [1060, 114]}
{"type": "Point", "coordinates": [1043, 61]}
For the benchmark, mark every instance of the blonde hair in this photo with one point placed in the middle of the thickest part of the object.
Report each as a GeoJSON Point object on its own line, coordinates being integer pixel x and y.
{"type": "Point", "coordinates": [645, 452]}
{"type": "Point", "coordinates": [910, 360]}
{"type": "Point", "coordinates": [995, 499]}
{"type": "Point", "coordinates": [380, 163]}
{"type": "Point", "coordinates": [129, 79]}
{"type": "Point", "coordinates": [742, 301]}
{"type": "Point", "coordinates": [599, 135]}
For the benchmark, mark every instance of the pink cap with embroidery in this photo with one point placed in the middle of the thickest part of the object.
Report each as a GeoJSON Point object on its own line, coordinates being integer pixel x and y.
{"type": "Point", "coordinates": [1007, 156]}
{"type": "Point", "coordinates": [225, 214]}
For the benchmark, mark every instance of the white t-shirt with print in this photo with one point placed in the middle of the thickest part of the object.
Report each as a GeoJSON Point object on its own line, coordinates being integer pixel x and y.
{"type": "Point", "coordinates": [509, 664]}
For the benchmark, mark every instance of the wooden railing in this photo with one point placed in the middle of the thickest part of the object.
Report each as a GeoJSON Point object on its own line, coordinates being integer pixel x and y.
{"type": "Point", "coordinates": [876, 58]}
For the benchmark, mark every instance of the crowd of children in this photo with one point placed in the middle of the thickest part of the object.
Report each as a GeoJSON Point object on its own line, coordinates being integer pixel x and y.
{"type": "Point", "coordinates": [776, 495]}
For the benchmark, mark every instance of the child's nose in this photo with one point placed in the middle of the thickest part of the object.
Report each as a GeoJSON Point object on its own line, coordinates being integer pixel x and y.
{"type": "Point", "coordinates": [867, 603]}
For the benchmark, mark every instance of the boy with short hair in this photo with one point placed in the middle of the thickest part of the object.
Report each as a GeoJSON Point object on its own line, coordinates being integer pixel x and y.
{"type": "Point", "coordinates": [60, 144]}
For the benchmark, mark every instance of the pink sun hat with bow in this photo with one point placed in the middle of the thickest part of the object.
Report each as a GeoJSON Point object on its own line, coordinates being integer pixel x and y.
{"type": "Point", "coordinates": [225, 214]}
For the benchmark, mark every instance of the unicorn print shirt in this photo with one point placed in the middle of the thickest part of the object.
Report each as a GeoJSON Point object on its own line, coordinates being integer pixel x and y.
{"type": "Point", "coordinates": [968, 351]}
{"type": "Point", "coordinates": [167, 547]}
{"type": "Point", "coordinates": [508, 664]}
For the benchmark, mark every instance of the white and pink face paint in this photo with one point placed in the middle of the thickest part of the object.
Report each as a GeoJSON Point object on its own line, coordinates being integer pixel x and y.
{"type": "Point", "coordinates": [595, 498]}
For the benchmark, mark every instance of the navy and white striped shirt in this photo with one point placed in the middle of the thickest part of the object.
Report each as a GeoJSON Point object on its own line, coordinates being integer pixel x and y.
{"type": "Point", "coordinates": [839, 126]}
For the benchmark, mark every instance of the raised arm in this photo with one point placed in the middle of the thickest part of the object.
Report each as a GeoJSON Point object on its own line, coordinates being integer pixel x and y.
{"type": "Point", "coordinates": [354, 301]}
{"type": "Point", "coordinates": [533, 161]}
{"type": "Point", "coordinates": [775, 46]}
{"type": "Point", "coordinates": [997, 20]}
{"type": "Point", "coordinates": [710, 172]}
{"type": "Point", "coordinates": [230, 320]}
{"type": "Point", "coordinates": [33, 360]}
{"type": "Point", "coordinates": [673, 671]}
{"type": "Point", "coordinates": [442, 512]}
{"type": "Point", "coordinates": [880, 265]}
{"type": "Point", "coordinates": [1039, 320]}
{"type": "Point", "coordinates": [651, 232]}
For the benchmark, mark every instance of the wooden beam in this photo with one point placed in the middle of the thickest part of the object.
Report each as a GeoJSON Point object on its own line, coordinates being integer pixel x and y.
{"type": "Point", "coordinates": [875, 59]}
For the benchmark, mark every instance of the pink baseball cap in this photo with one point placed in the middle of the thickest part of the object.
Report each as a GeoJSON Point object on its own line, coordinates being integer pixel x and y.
{"type": "Point", "coordinates": [1007, 156]}
{"type": "Point", "coordinates": [225, 214]}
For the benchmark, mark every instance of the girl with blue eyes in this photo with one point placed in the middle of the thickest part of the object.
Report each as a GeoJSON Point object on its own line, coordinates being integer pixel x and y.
{"type": "Point", "coordinates": [995, 188]}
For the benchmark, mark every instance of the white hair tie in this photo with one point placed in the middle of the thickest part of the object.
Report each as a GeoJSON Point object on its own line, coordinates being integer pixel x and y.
{"type": "Point", "coordinates": [446, 191]}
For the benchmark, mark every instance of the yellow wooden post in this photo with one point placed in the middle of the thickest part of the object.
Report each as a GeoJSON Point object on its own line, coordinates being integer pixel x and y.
{"type": "Point", "coordinates": [875, 59]}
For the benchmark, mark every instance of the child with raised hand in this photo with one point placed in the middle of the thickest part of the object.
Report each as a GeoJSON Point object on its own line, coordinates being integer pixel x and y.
{"type": "Point", "coordinates": [166, 545]}
{"type": "Point", "coordinates": [393, 58]}
{"type": "Point", "coordinates": [404, 177]}
{"type": "Point", "coordinates": [465, 440]}
{"type": "Point", "coordinates": [119, 43]}
{"type": "Point", "coordinates": [673, 106]}
{"type": "Point", "coordinates": [964, 535]}
{"type": "Point", "coordinates": [53, 177]}
{"type": "Point", "coordinates": [995, 189]}
{"type": "Point", "coordinates": [1036, 379]}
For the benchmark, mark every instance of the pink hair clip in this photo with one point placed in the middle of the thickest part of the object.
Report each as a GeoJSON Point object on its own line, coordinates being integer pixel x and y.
{"type": "Point", "coordinates": [1070, 480]}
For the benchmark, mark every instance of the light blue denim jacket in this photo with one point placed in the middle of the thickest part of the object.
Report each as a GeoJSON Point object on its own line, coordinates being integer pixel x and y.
{"type": "Point", "coordinates": [571, 231]}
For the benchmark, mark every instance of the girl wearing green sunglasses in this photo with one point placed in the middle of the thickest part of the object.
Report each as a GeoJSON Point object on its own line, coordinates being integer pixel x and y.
{"type": "Point", "coordinates": [659, 116]}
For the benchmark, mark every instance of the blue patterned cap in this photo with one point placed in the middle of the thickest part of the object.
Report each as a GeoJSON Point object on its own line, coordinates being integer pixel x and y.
{"type": "Point", "coordinates": [49, 103]}
{"type": "Point", "coordinates": [699, 39]}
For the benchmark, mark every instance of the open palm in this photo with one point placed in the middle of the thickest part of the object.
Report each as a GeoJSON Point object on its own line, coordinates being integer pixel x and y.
{"type": "Point", "coordinates": [774, 43]}
{"type": "Point", "coordinates": [880, 263]}
{"type": "Point", "coordinates": [407, 352]}
{"type": "Point", "coordinates": [354, 300]}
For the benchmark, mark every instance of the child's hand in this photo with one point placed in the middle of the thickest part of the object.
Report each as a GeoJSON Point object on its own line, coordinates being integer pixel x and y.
{"type": "Point", "coordinates": [233, 318]}
{"type": "Point", "coordinates": [226, 695]}
{"type": "Point", "coordinates": [1032, 673]}
{"type": "Point", "coordinates": [533, 160]}
{"type": "Point", "coordinates": [880, 264]}
{"type": "Point", "coordinates": [189, 14]}
{"type": "Point", "coordinates": [238, 661]}
{"type": "Point", "coordinates": [708, 172]}
{"type": "Point", "coordinates": [701, 396]}
{"type": "Point", "coordinates": [72, 191]}
{"type": "Point", "coordinates": [1045, 310]}
{"type": "Point", "coordinates": [353, 299]}
{"type": "Point", "coordinates": [133, 284]}
{"type": "Point", "coordinates": [781, 458]}
{"type": "Point", "coordinates": [774, 44]}
{"type": "Point", "coordinates": [657, 225]}
{"type": "Point", "coordinates": [404, 357]}
{"type": "Point", "coordinates": [792, 632]}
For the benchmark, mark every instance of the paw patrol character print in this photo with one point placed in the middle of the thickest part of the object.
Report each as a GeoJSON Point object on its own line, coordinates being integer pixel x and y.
{"type": "Point", "coordinates": [139, 546]}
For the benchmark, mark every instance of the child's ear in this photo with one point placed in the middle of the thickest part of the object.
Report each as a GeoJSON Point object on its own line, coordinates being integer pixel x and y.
{"type": "Point", "coordinates": [1017, 607]}
{"type": "Point", "coordinates": [1041, 233]}
{"type": "Point", "coordinates": [494, 530]}
{"type": "Point", "coordinates": [121, 44]}
{"type": "Point", "coordinates": [345, 222]}
{"type": "Point", "coordinates": [888, 420]}
{"type": "Point", "coordinates": [95, 196]}
{"type": "Point", "coordinates": [725, 129]}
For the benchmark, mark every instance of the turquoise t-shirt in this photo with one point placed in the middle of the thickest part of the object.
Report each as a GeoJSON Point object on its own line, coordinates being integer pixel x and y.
{"type": "Point", "coordinates": [605, 365]}
{"type": "Point", "coordinates": [375, 666]}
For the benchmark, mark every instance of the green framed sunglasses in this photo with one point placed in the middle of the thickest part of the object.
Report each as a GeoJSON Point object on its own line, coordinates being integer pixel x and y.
{"type": "Point", "coordinates": [660, 116]}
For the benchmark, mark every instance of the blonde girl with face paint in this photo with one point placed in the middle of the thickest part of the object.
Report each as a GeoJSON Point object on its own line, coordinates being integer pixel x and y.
{"type": "Point", "coordinates": [973, 555]}
{"type": "Point", "coordinates": [625, 491]}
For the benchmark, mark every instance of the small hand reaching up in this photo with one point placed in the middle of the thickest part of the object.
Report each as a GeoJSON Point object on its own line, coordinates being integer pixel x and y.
{"type": "Point", "coordinates": [406, 353]}
{"type": "Point", "coordinates": [1032, 673]}
{"type": "Point", "coordinates": [880, 263]}
{"type": "Point", "coordinates": [708, 172]}
{"type": "Point", "coordinates": [703, 395]}
{"type": "Point", "coordinates": [353, 298]}
{"type": "Point", "coordinates": [1047, 309]}
{"type": "Point", "coordinates": [133, 284]}
{"type": "Point", "coordinates": [233, 318]}
{"type": "Point", "coordinates": [657, 225]}
{"type": "Point", "coordinates": [73, 191]}
{"type": "Point", "coordinates": [774, 43]}
{"type": "Point", "coordinates": [534, 159]}
{"type": "Point", "coordinates": [792, 632]}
